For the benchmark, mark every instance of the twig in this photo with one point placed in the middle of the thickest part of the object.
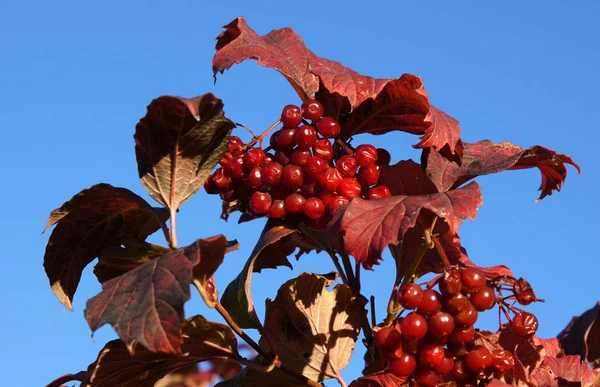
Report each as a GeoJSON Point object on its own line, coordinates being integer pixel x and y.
{"type": "Point", "coordinates": [441, 252]}
{"type": "Point", "coordinates": [262, 136]}
{"type": "Point", "coordinates": [336, 262]}
{"type": "Point", "coordinates": [373, 319]}
{"type": "Point", "coordinates": [247, 128]}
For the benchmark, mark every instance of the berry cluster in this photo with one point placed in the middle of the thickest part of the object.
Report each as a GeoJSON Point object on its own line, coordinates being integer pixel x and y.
{"type": "Point", "coordinates": [435, 342]}
{"type": "Point", "coordinates": [305, 177]}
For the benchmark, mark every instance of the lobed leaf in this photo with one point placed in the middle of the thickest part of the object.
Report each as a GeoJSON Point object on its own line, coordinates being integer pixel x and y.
{"type": "Point", "coordinates": [582, 336]}
{"type": "Point", "coordinates": [178, 143]}
{"type": "Point", "coordinates": [485, 157]}
{"type": "Point", "coordinates": [566, 370]}
{"type": "Point", "coordinates": [145, 305]}
{"type": "Point", "coordinates": [94, 219]}
{"type": "Point", "coordinates": [379, 379]}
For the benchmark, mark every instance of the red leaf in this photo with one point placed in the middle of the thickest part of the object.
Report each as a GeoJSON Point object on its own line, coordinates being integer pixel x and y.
{"type": "Point", "coordinates": [379, 379]}
{"type": "Point", "coordinates": [497, 383]}
{"type": "Point", "coordinates": [406, 178]}
{"type": "Point", "coordinates": [145, 305]}
{"type": "Point", "coordinates": [485, 157]}
{"type": "Point", "coordinates": [370, 226]}
{"type": "Point", "coordinates": [92, 220]}
{"type": "Point", "coordinates": [564, 371]}
{"type": "Point", "coordinates": [582, 336]}
{"type": "Point", "coordinates": [177, 145]}
{"type": "Point", "coordinates": [551, 346]}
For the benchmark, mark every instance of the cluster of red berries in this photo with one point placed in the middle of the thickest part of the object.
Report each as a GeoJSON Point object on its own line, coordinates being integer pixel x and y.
{"type": "Point", "coordinates": [302, 178]}
{"type": "Point", "coordinates": [435, 342]}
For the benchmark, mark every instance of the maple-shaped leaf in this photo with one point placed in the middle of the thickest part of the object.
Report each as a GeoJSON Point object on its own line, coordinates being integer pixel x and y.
{"type": "Point", "coordinates": [370, 226]}
{"type": "Point", "coordinates": [406, 178]}
{"type": "Point", "coordinates": [379, 379]}
{"type": "Point", "coordinates": [92, 220]}
{"type": "Point", "coordinates": [120, 366]}
{"type": "Point", "coordinates": [564, 371]}
{"type": "Point", "coordinates": [582, 336]}
{"type": "Point", "coordinates": [118, 259]}
{"type": "Point", "coordinates": [178, 143]}
{"type": "Point", "coordinates": [485, 157]}
{"type": "Point", "coordinates": [145, 305]}
{"type": "Point", "coordinates": [311, 329]}
{"type": "Point", "coordinates": [551, 347]}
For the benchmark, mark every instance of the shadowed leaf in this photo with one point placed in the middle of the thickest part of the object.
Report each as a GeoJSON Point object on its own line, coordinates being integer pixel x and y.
{"type": "Point", "coordinates": [485, 157]}
{"type": "Point", "coordinates": [582, 336]}
{"type": "Point", "coordinates": [92, 220]}
{"type": "Point", "coordinates": [379, 379]}
{"type": "Point", "coordinates": [406, 178]}
{"type": "Point", "coordinates": [145, 305]}
{"type": "Point", "coordinates": [177, 145]}
{"type": "Point", "coordinates": [311, 329]}
{"type": "Point", "coordinates": [564, 371]}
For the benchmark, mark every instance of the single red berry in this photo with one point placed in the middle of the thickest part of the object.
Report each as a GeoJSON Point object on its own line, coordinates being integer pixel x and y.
{"type": "Point", "coordinates": [431, 355]}
{"type": "Point", "coordinates": [460, 373]}
{"type": "Point", "coordinates": [272, 173]}
{"type": "Point", "coordinates": [330, 180]}
{"type": "Point", "coordinates": [404, 366]}
{"type": "Point", "coordinates": [432, 302]}
{"type": "Point", "coordinates": [383, 156]}
{"type": "Point", "coordinates": [478, 359]}
{"type": "Point", "coordinates": [462, 335]}
{"type": "Point", "coordinates": [502, 361]}
{"type": "Point", "coordinates": [236, 168]}
{"type": "Point", "coordinates": [524, 292]}
{"type": "Point", "coordinates": [387, 338]}
{"type": "Point", "coordinates": [299, 157]}
{"type": "Point", "coordinates": [286, 139]}
{"type": "Point", "coordinates": [365, 155]}
{"type": "Point", "coordinates": [414, 326]}
{"type": "Point", "coordinates": [329, 127]}
{"type": "Point", "coordinates": [273, 140]}
{"type": "Point", "coordinates": [349, 188]}
{"type": "Point", "coordinates": [450, 283]}
{"type": "Point", "coordinates": [379, 191]}
{"type": "Point", "coordinates": [440, 324]}
{"type": "Point", "coordinates": [320, 223]}
{"type": "Point", "coordinates": [426, 377]}
{"type": "Point", "coordinates": [313, 208]}
{"type": "Point", "coordinates": [221, 179]}
{"type": "Point", "coordinates": [305, 136]}
{"type": "Point", "coordinates": [524, 324]}
{"type": "Point", "coordinates": [294, 203]}
{"type": "Point", "coordinates": [483, 299]}
{"type": "Point", "coordinates": [260, 203]}
{"type": "Point", "coordinates": [293, 176]}
{"type": "Point", "coordinates": [234, 144]}
{"type": "Point", "coordinates": [282, 157]}
{"type": "Point", "coordinates": [368, 176]}
{"type": "Point", "coordinates": [315, 166]}
{"type": "Point", "coordinates": [291, 116]}
{"type": "Point", "coordinates": [254, 179]}
{"type": "Point", "coordinates": [277, 210]}
{"type": "Point", "coordinates": [210, 187]}
{"type": "Point", "coordinates": [455, 303]}
{"type": "Point", "coordinates": [410, 296]}
{"type": "Point", "coordinates": [312, 109]}
{"type": "Point", "coordinates": [445, 366]}
{"type": "Point", "coordinates": [472, 279]}
{"type": "Point", "coordinates": [254, 157]}
{"type": "Point", "coordinates": [323, 149]}
{"type": "Point", "coordinates": [467, 316]}
{"type": "Point", "coordinates": [347, 166]}
{"type": "Point", "coordinates": [337, 202]}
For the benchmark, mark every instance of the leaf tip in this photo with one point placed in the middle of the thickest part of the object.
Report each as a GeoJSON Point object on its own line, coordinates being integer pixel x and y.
{"type": "Point", "coordinates": [63, 298]}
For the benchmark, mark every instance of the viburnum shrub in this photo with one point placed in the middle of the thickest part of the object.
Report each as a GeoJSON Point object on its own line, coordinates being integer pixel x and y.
{"type": "Point", "coordinates": [322, 190]}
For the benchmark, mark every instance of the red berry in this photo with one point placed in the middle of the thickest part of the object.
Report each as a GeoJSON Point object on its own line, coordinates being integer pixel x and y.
{"type": "Point", "coordinates": [462, 335]}
{"type": "Point", "coordinates": [254, 179]}
{"type": "Point", "coordinates": [260, 203]}
{"type": "Point", "coordinates": [404, 366]}
{"type": "Point", "coordinates": [277, 210]}
{"type": "Point", "coordinates": [368, 176]}
{"type": "Point", "coordinates": [210, 187]}
{"type": "Point", "coordinates": [293, 176]}
{"type": "Point", "coordinates": [323, 149]}
{"type": "Point", "coordinates": [478, 359]}
{"type": "Point", "coordinates": [299, 157]}
{"type": "Point", "coordinates": [502, 361]}
{"type": "Point", "coordinates": [383, 156]}
{"type": "Point", "coordinates": [221, 179]}
{"type": "Point", "coordinates": [524, 292]}
{"type": "Point", "coordinates": [312, 109]}
{"type": "Point", "coordinates": [234, 144]}
{"type": "Point", "coordinates": [282, 157]}
{"type": "Point", "coordinates": [315, 166]}
{"type": "Point", "coordinates": [349, 188]}
{"type": "Point", "coordinates": [388, 338]}
{"type": "Point", "coordinates": [286, 139]}
{"type": "Point", "coordinates": [329, 127]}
{"type": "Point", "coordinates": [327, 198]}
{"type": "Point", "coordinates": [483, 299]}
{"type": "Point", "coordinates": [432, 302]}
{"type": "Point", "coordinates": [236, 167]}
{"type": "Point", "coordinates": [426, 377]}
{"type": "Point", "coordinates": [320, 223]}
{"type": "Point", "coordinates": [460, 373]}
{"type": "Point", "coordinates": [272, 173]}
{"type": "Point", "coordinates": [450, 283]}
{"type": "Point", "coordinates": [414, 326]}
{"type": "Point", "coordinates": [294, 203]}
{"type": "Point", "coordinates": [472, 279]}
{"type": "Point", "coordinates": [291, 116]}
{"type": "Point", "coordinates": [310, 187]}
{"type": "Point", "coordinates": [365, 155]}
{"type": "Point", "coordinates": [467, 316]}
{"type": "Point", "coordinates": [379, 191]}
{"type": "Point", "coordinates": [254, 157]}
{"type": "Point", "coordinates": [330, 180]}
{"type": "Point", "coordinates": [337, 202]}
{"type": "Point", "coordinates": [445, 366]}
{"type": "Point", "coordinates": [313, 208]}
{"type": "Point", "coordinates": [347, 166]}
{"type": "Point", "coordinates": [410, 296]}
{"type": "Point", "coordinates": [524, 324]}
{"type": "Point", "coordinates": [455, 303]}
{"type": "Point", "coordinates": [305, 136]}
{"type": "Point", "coordinates": [431, 355]}
{"type": "Point", "coordinates": [440, 324]}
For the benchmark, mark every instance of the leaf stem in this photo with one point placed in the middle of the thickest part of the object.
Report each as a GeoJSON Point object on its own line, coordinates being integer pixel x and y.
{"type": "Point", "coordinates": [173, 236]}
{"type": "Point", "coordinates": [339, 269]}
{"type": "Point", "coordinates": [441, 252]}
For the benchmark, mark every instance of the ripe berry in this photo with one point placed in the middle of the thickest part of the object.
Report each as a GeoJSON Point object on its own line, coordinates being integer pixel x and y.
{"type": "Point", "coordinates": [379, 191]}
{"type": "Point", "coordinates": [282, 157]}
{"type": "Point", "coordinates": [462, 335]}
{"type": "Point", "coordinates": [329, 127]}
{"type": "Point", "coordinates": [368, 176]}
{"type": "Point", "coordinates": [336, 202]}
{"type": "Point", "coordinates": [236, 167]}
{"type": "Point", "coordinates": [272, 173]}
{"type": "Point", "coordinates": [347, 166]}
{"type": "Point", "coordinates": [440, 324]}
{"type": "Point", "coordinates": [254, 157]}
{"type": "Point", "coordinates": [299, 157]}
{"type": "Point", "coordinates": [431, 355]}
{"type": "Point", "coordinates": [414, 326]}
{"type": "Point", "coordinates": [349, 188]}
{"type": "Point", "coordinates": [294, 203]}
{"type": "Point", "coordinates": [445, 366]}
{"type": "Point", "coordinates": [432, 302]}
{"type": "Point", "coordinates": [460, 373]}
{"type": "Point", "coordinates": [221, 179]}
{"type": "Point", "coordinates": [291, 116]}
{"type": "Point", "coordinates": [455, 303]}
{"type": "Point", "coordinates": [293, 176]}
{"type": "Point", "coordinates": [210, 187]}
{"type": "Point", "coordinates": [234, 144]}
{"type": "Point", "coordinates": [467, 316]}
{"type": "Point", "coordinates": [277, 210]}
{"type": "Point", "coordinates": [365, 155]}
{"type": "Point", "coordinates": [472, 279]}
{"type": "Point", "coordinates": [305, 136]}
{"type": "Point", "coordinates": [502, 361]}
{"type": "Point", "coordinates": [260, 203]}
{"type": "Point", "coordinates": [483, 299]}
{"type": "Point", "coordinates": [410, 296]}
{"type": "Point", "coordinates": [313, 208]}
{"type": "Point", "coordinates": [450, 283]}
{"type": "Point", "coordinates": [310, 187]}
{"type": "Point", "coordinates": [330, 180]}
{"type": "Point", "coordinates": [323, 149]}
{"type": "Point", "coordinates": [524, 292]}
{"type": "Point", "coordinates": [312, 109]}
{"type": "Point", "coordinates": [524, 324]}
{"type": "Point", "coordinates": [426, 377]}
{"type": "Point", "coordinates": [387, 338]}
{"type": "Point", "coordinates": [383, 156]}
{"type": "Point", "coordinates": [286, 139]}
{"type": "Point", "coordinates": [404, 366]}
{"type": "Point", "coordinates": [478, 359]}
{"type": "Point", "coordinates": [254, 179]}
{"type": "Point", "coordinates": [314, 166]}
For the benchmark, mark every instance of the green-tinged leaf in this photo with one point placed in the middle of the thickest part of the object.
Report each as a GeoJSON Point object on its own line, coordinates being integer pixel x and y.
{"type": "Point", "coordinates": [177, 145]}
{"type": "Point", "coordinates": [92, 220]}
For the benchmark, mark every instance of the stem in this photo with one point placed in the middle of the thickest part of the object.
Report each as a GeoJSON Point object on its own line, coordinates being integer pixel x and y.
{"type": "Point", "coordinates": [81, 376]}
{"type": "Point", "coordinates": [173, 237]}
{"type": "Point", "coordinates": [262, 136]}
{"type": "Point", "coordinates": [373, 319]}
{"type": "Point", "coordinates": [441, 252]}
{"type": "Point", "coordinates": [357, 276]}
{"type": "Point", "coordinates": [245, 127]}
{"type": "Point", "coordinates": [347, 149]}
{"type": "Point", "coordinates": [336, 262]}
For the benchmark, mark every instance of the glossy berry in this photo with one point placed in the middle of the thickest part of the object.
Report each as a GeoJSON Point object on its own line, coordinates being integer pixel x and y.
{"type": "Point", "coordinates": [366, 155]}
{"type": "Point", "coordinates": [236, 167]}
{"type": "Point", "coordinates": [277, 210]}
{"type": "Point", "coordinates": [431, 355]}
{"type": "Point", "coordinates": [292, 176]}
{"type": "Point", "coordinates": [455, 303]}
{"type": "Point", "coordinates": [445, 365]}
{"type": "Point", "coordinates": [260, 203]}
{"type": "Point", "coordinates": [462, 335]}
{"type": "Point", "coordinates": [254, 157]}
{"type": "Point", "coordinates": [387, 338]}
{"type": "Point", "coordinates": [337, 202]}
{"type": "Point", "coordinates": [478, 359]}
{"type": "Point", "coordinates": [467, 316]}
{"type": "Point", "coordinates": [414, 326]}
{"type": "Point", "coordinates": [299, 157]}
{"type": "Point", "coordinates": [312, 109]}
{"type": "Point", "coordinates": [502, 361]}
{"type": "Point", "coordinates": [460, 373]}
{"type": "Point", "coordinates": [272, 173]}
{"type": "Point", "coordinates": [293, 203]}
{"type": "Point", "coordinates": [426, 377]}
{"type": "Point", "coordinates": [234, 144]}
{"type": "Point", "coordinates": [410, 296]}
{"type": "Point", "coordinates": [404, 366]}
{"type": "Point", "coordinates": [282, 157]}
{"type": "Point", "coordinates": [483, 299]}
{"type": "Point", "coordinates": [221, 179]}
{"type": "Point", "coordinates": [440, 324]}
{"type": "Point", "coordinates": [323, 149]}
{"type": "Point", "coordinates": [305, 136]}
{"type": "Point", "coordinates": [368, 176]}
{"type": "Point", "coordinates": [379, 191]}
{"type": "Point", "coordinates": [450, 283]}
{"type": "Point", "coordinates": [291, 116]}
{"type": "Point", "coordinates": [524, 324]}
{"type": "Point", "coordinates": [349, 188]}
{"type": "Point", "coordinates": [330, 180]}
{"type": "Point", "coordinates": [329, 127]}
{"type": "Point", "coordinates": [347, 166]}
{"type": "Point", "coordinates": [315, 166]}
{"type": "Point", "coordinates": [286, 139]}
{"type": "Point", "coordinates": [431, 303]}
{"type": "Point", "coordinates": [524, 292]}
{"type": "Point", "coordinates": [472, 279]}
{"type": "Point", "coordinates": [313, 208]}
{"type": "Point", "coordinates": [254, 179]}
{"type": "Point", "coordinates": [383, 156]}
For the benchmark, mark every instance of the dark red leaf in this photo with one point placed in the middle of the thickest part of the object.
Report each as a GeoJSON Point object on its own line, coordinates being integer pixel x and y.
{"type": "Point", "coordinates": [485, 157]}
{"type": "Point", "coordinates": [92, 220]}
{"type": "Point", "coordinates": [564, 371]}
{"type": "Point", "coordinates": [551, 346]}
{"type": "Point", "coordinates": [177, 145]}
{"type": "Point", "coordinates": [145, 305]}
{"type": "Point", "coordinates": [117, 366]}
{"type": "Point", "coordinates": [379, 379]}
{"type": "Point", "coordinates": [582, 336]}
{"type": "Point", "coordinates": [406, 178]}
{"type": "Point", "coordinates": [370, 226]}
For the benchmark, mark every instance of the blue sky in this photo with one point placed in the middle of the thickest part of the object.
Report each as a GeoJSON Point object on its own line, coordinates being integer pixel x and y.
{"type": "Point", "coordinates": [75, 77]}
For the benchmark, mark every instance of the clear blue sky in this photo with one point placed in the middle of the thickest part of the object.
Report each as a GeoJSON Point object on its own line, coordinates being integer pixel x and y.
{"type": "Point", "coordinates": [75, 77]}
